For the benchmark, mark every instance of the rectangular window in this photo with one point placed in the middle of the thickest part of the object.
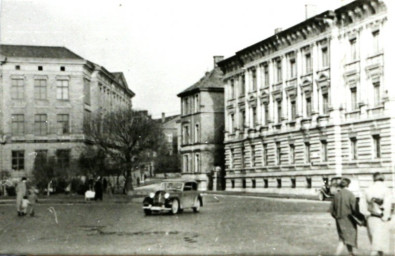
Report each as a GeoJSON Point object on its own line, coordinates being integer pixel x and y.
{"type": "Point", "coordinates": [354, 148]}
{"type": "Point", "coordinates": [231, 161]}
{"type": "Point", "coordinates": [186, 134]}
{"type": "Point", "coordinates": [307, 152]}
{"type": "Point", "coordinates": [63, 123]}
{"type": "Point", "coordinates": [308, 64]}
{"type": "Point", "coordinates": [325, 57]}
{"type": "Point", "coordinates": [63, 158]}
{"type": "Point", "coordinates": [232, 123]}
{"type": "Point", "coordinates": [40, 124]}
{"type": "Point", "coordinates": [325, 101]}
{"type": "Point", "coordinates": [243, 119]}
{"type": "Point", "coordinates": [197, 133]}
{"type": "Point", "coordinates": [279, 111]}
{"type": "Point", "coordinates": [18, 124]}
{"type": "Point", "coordinates": [186, 161]}
{"type": "Point", "coordinates": [40, 89]}
{"type": "Point", "coordinates": [279, 185]}
{"type": "Point", "coordinates": [197, 105]}
{"type": "Point", "coordinates": [242, 157]}
{"type": "Point", "coordinates": [308, 106]}
{"type": "Point", "coordinates": [18, 160]}
{"type": "Point", "coordinates": [293, 110]}
{"type": "Point", "coordinates": [242, 85]}
{"type": "Point", "coordinates": [292, 68]}
{"type": "Point", "coordinates": [376, 146]}
{"type": "Point", "coordinates": [293, 182]}
{"type": "Point", "coordinates": [253, 181]}
{"type": "Point", "coordinates": [278, 153]}
{"type": "Point", "coordinates": [354, 101]}
{"type": "Point", "coordinates": [232, 89]}
{"type": "Point", "coordinates": [265, 183]}
{"type": "Point", "coordinates": [291, 153]}
{"type": "Point", "coordinates": [17, 89]}
{"type": "Point", "coordinates": [252, 156]}
{"type": "Point", "coordinates": [279, 71]}
{"type": "Point", "coordinates": [266, 72]}
{"type": "Point", "coordinates": [265, 155]}
{"type": "Point", "coordinates": [62, 89]}
{"type": "Point", "coordinates": [197, 163]}
{"type": "Point", "coordinates": [308, 182]}
{"type": "Point", "coordinates": [254, 119]}
{"type": "Point", "coordinates": [266, 106]}
{"type": "Point", "coordinates": [376, 41]}
{"type": "Point", "coordinates": [254, 80]}
{"type": "Point", "coordinates": [377, 96]}
{"type": "Point", "coordinates": [353, 49]}
{"type": "Point", "coordinates": [324, 151]}
{"type": "Point", "coordinates": [87, 92]}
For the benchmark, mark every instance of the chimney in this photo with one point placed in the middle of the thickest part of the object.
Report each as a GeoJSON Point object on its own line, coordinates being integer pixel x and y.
{"type": "Point", "coordinates": [163, 117]}
{"type": "Point", "coordinates": [217, 59]}
{"type": "Point", "coordinates": [310, 10]}
{"type": "Point", "coordinates": [277, 30]}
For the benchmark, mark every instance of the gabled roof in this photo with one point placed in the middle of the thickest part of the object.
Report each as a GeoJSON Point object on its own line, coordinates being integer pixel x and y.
{"type": "Point", "coordinates": [211, 80]}
{"type": "Point", "coordinates": [30, 51]}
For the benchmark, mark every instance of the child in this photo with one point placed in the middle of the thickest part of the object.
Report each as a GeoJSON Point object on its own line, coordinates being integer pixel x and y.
{"type": "Point", "coordinates": [25, 203]}
{"type": "Point", "coordinates": [32, 200]}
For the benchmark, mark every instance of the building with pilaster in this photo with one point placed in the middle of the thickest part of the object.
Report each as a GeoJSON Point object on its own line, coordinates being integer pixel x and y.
{"type": "Point", "coordinates": [46, 95]}
{"type": "Point", "coordinates": [202, 125]}
{"type": "Point", "coordinates": [311, 102]}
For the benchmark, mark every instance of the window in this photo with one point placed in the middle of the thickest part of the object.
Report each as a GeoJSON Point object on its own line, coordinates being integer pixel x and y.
{"type": "Point", "coordinates": [266, 72]}
{"type": "Point", "coordinates": [266, 111]}
{"type": "Point", "coordinates": [278, 183]}
{"type": "Point", "coordinates": [376, 41]}
{"type": "Point", "coordinates": [87, 118]}
{"type": "Point", "coordinates": [308, 66]}
{"type": "Point", "coordinates": [293, 182]}
{"type": "Point", "coordinates": [354, 148]}
{"type": "Point", "coordinates": [197, 133]}
{"type": "Point", "coordinates": [17, 89]}
{"type": "Point", "coordinates": [278, 153]}
{"type": "Point", "coordinates": [197, 105]}
{"type": "Point", "coordinates": [307, 152]}
{"type": "Point", "coordinates": [231, 156]}
{"type": "Point", "coordinates": [254, 119]}
{"type": "Point", "coordinates": [62, 89]}
{"type": "Point", "coordinates": [376, 146]}
{"type": "Point", "coordinates": [242, 85]}
{"type": "Point", "coordinates": [232, 89]}
{"type": "Point", "coordinates": [265, 183]}
{"type": "Point", "coordinates": [308, 182]}
{"type": "Point", "coordinates": [252, 156]}
{"type": "Point", "coordinates": [353, 49]}
{"type": "Point", "coordinates": [292, 68]}
{"type": "Point", "coordinates": [324, 151]}
{"type": "Point", "coordinates": [197, 163]}
{"type": "Point", "coordinates": [253, 181]}
{"type": "Point", "coordinates": [232, 123]}
{"type": "Point", "coordinates": [63, 123]}
{"type": "Point", "coordinates": [279, 71]}
{"type": "Point", "coordinates": [292, 153]}
{"type": "Point", "coordinates": [186, 163]}
{"type": "Point", "coordinates": [18, 124]}
{"type": "Point", "coordinates": [17, 67]}
{"type": "Point", "coordinates": [62, 68]}
{"type": "Point", "coordinates": [63, 158]}
{"type": "Point", "coordinates": [254, 81]}
{"type": "Point", "coordinates": [186, 134]}
{"type": "Point", "coordinates": [324, 57]}
{"type": "Point", "coordinates": [376, 90]}
{"type": "Point", "coordinates": [293, 110]}
{"type": "Point", "coordinates": [279, 111]}
{"type": "Point", "coordinates": [40, 68]}
{"type": "Point", "coordinates": [87, 92]}
{"type": "Point", "coordinates": [354, 102]}
{"type": "Point", "coordinates": [308, 106]}
{"type": "Point", "coordinates": [244, 183]}
{"type": "Point", "coordinates": [325, 101]}
{"type": "Point", "coordinates": [40, 89]}
{"type": "Point", "coordinates": [233, 183]}
{"type": "Point", "coordinates": [242, 157]}
{"type": "Point", "coordinates": [40, 124]}
{"type": "Point", "coordinates": [243, 119]}
{"type": "Point", "coordinates": [18, 160]}
{"type": "Point", "coordinates": [265, 155]}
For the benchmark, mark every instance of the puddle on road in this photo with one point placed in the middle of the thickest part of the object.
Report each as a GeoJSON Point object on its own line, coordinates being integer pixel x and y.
{"type": "Point", "coordinates": [189, 237]}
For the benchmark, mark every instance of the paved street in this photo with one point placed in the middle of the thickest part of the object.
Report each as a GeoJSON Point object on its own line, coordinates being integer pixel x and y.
{"type": "Point", "coordinates": [225, 225]}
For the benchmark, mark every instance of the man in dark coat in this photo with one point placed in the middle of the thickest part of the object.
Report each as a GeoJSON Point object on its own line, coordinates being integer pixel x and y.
{"type": "Point", "coordinates": [98, 189]}
{"type": "Point", "coordinates": [343, 206]}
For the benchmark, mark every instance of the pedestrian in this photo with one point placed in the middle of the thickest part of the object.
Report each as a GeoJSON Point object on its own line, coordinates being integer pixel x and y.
{"type": "Point", "coordinates": [32, 197]}
{"type": "Point", "coordinates": [98, 189]}
{"type": "Point", "coordinates": [24, 205]}
{"type": "Point", "coordinates": [342, 207]}
{"type": "Point", "coordinates": [376, 206]}
{"type": "Point", "coordinates": [20, 193]}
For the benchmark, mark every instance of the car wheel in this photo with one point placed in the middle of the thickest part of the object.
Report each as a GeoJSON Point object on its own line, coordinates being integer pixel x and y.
{"type": "Point", "coordinates": [174, 206]}
{"type": "Point", "coordinates": [196, 206]}
{"type": "Point", "coordinates": [321, 196]}
{"type": "Point", "coordinates": [147, 212]}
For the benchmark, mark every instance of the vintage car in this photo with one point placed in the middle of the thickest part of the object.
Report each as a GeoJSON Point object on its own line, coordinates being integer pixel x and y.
{"type": "Point", "coordinates": [329, 189]}
{"type": "Point", "coordinates": [173, 196]}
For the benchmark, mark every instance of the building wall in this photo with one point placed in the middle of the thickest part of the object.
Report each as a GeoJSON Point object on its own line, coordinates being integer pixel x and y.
{"type": "Point", "coordinates": [323, 85]}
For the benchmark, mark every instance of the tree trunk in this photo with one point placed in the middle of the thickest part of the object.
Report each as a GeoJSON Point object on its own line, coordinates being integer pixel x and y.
{"type": "Point", "coordinates": [128, 182]}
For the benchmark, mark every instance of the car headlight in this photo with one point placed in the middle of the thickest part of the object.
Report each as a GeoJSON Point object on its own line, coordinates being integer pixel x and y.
{"type": "Point", "coordinates": [166, 195]}
{"type": "Point", "coordinates": [151, 195]}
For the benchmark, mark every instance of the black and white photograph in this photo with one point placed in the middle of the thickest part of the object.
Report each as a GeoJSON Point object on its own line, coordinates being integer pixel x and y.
{"type": "Point", "coordinates": [197, 127]}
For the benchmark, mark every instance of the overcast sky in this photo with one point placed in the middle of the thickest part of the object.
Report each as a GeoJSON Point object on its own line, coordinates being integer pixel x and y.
{"type": "Point", "coordinates": [162, 46]}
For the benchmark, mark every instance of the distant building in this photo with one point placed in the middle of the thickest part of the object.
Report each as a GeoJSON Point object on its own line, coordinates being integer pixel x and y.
{"type": "Point", "coordinates": [46, 95]}
{"type": "Point", "coordinates": [202, 125]}
{"type": "Point", "coordinates": [313, 101]}
{"type": "Point", "coordinates": [171, 129]}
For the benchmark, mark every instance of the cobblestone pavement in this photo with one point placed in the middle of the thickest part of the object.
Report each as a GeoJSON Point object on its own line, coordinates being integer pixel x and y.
{"type": "Point", "coordinates": [225, 225]}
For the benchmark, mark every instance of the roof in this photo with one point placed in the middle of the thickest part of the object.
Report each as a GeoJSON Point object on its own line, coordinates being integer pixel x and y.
{"type": "Point", "coordinates": [167, 118]}
{"type": "Point", "coordinates": [30, 51]}
{"type": "Point", "coordinates": [210, 80]}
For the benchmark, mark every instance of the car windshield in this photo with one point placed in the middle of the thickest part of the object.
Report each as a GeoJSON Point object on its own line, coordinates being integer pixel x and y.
{"type": "Point", "coordinates": [172, 185]}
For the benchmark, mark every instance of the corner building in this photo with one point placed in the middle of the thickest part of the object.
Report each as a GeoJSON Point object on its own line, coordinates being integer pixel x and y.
{"type": "Point", "coordinates": [311, 102]}
{"type": "Point", "coordinates": [46, 95]}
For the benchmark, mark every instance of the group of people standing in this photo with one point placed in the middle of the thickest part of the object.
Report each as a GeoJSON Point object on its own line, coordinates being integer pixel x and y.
{"type": "Point", "coordinates": [372, 209]}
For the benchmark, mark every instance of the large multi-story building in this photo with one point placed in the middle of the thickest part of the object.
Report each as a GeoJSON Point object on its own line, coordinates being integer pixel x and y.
{"type": "Point", "coordinates": [202, 125]}
{"type": "Point", "coordinates": [312, 101]}
{"type": "Point", "coordinates": [46, 95]}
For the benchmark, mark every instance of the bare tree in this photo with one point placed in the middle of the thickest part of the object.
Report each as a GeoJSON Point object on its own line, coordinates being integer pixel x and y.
{"type": "Point", "coordinates": [124, 136]}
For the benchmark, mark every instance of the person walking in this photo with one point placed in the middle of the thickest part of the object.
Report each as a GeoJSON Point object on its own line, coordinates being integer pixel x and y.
{"type": "Point", "coordinates": [376, 206]}
{"type": "Point", "coordinates": [20, 193]}
{"type": "Point", "coordinates": [342, 207]}
{"type": "Point", "coordinates": [98, 189]}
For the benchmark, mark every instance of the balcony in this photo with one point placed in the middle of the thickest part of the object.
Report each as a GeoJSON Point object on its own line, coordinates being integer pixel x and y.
{"type": "Point", "coordinates": [352, 67]}
{"type": "Point", "coordinates": [353, 114]}
{"type": "Point", "coordinates": [322, 120]}
{"type": "Point", "coordinates": [375, 111]}
{"type": "Point", "coordinates": [306, 123]}
{"type": "Point", "coordinates": [291, 83]}
{"type": "Point", "coordinates": [375, 60]}
{"type": "Point", "coordinates": [278, 86]}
